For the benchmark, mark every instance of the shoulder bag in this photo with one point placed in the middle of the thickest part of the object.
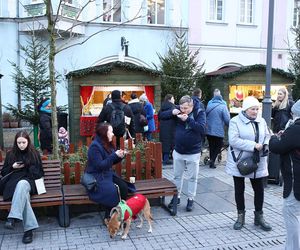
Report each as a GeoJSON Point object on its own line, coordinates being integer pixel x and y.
{"type": "Point", "coordinates": [88, 181]}
{"type": "Point", "coordinates": [247, 165]}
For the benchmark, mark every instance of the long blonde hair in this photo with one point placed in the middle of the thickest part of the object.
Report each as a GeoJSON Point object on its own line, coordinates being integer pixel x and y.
{"type": "Point", "coordinates": [282, 104]}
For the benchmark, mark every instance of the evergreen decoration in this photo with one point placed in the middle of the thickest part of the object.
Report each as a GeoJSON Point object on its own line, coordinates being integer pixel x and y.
{"type": "Point", "coordinates": [250, 68]}
{"type": "Point", "coordinates": [180, 68]}
{"type": "Point", "coordinates": [33, 83]}
{"type": "Point", "coordinates": [108, 67]}
{"type": "Point", "coordinates": [295, 63]}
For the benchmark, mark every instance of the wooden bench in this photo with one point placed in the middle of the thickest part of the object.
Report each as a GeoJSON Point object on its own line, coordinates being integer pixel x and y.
{"type": "Point", "coordinates": [53, 196]}
{"type": "Point", "coordinates": [152, 188]}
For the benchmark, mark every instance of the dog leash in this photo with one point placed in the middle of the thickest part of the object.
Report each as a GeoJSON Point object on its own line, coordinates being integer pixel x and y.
{"type": "Point", "coordinates": [123, 206]}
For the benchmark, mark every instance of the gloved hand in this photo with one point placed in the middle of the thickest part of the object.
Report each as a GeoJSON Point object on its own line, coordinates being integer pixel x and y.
{"type": "Point", "coordinates": [265, 150]}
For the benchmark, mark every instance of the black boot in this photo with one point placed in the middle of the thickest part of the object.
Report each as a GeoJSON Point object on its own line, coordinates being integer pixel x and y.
{"type": "Point", "coordinates": [260, 221]}
{"type": "Point", "coordinates": [240, 220]}
{"type": "Point", "coordinates": [10, 223]}
{"type": "Point", "coordinates": [27, 237]}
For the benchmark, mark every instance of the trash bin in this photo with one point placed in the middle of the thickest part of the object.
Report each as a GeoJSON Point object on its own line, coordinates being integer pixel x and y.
{"type": "Point", "coordinates": [62, 120]}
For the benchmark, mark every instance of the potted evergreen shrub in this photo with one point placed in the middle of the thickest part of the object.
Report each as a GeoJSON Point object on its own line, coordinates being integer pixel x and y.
{"type": "Point", "coordinates": [6, 119]}
{"type": "Point", "coordinates": [14, 122]}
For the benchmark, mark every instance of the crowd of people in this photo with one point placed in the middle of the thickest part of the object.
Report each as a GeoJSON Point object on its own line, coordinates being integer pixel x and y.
{"type": "Point", "coordinates": [184, 127]}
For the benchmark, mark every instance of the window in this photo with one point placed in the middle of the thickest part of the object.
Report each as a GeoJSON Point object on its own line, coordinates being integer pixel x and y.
{"type": "Point", "coordinates": [112, 10]}
{"type": "Point", "coordinates": [296, 13]}
{"type": "Point", "coordinates": [216, 8]}
{"type": "Point", "coordinates": [156, 11]}
{"type": "Point", "coordinates": [246, 11]}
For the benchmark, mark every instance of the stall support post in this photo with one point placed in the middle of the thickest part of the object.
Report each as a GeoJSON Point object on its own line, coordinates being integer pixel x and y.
{"type": "Point", "coordinates": [267, 101]}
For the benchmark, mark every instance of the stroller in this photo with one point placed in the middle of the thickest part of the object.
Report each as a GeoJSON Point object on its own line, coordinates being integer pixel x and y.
{"type": "Point", "coordinates": [219, 157]}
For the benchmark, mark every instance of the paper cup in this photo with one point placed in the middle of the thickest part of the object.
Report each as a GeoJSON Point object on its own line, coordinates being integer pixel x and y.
{"type": "Point", "coordinates": [132, 179]}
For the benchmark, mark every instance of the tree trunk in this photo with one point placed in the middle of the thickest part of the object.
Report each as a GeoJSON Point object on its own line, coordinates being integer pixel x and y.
{"type": "Point", "coordinates": [52, 51]}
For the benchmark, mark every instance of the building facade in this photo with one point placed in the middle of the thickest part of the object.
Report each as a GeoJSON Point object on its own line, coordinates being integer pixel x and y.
{"type": "Point", "coordinates": [133, 31]}
{"type": "Point", "coordinates": [234, 32]}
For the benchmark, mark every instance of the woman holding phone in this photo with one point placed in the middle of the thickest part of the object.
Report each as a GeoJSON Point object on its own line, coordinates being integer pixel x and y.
{"type": "Point", "coordinates": [102, 155]}
{"type": "Point", "coordinates": [22, 167]}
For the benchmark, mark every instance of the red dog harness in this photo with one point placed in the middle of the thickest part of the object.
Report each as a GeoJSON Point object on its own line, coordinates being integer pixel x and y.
{"type": "Point", "coordinates": [136, 204]}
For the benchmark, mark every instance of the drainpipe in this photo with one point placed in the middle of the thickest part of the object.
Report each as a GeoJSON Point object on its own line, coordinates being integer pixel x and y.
{"type": "Point", "coordinates": [18, 52]}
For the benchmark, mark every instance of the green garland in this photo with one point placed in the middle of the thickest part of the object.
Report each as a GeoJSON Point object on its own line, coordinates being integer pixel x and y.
{"type": "Point", "coordinates": [107, 68]}
{"type": "Point", "coordinates": [252, 68]}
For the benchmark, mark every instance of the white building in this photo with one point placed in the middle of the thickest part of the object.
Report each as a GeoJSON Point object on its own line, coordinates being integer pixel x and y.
{"type": "Point", "coordinates": [147, 28]}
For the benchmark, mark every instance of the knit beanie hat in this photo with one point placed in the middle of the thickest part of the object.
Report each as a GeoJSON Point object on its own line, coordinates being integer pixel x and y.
{"type": "Point", "coordinates": [62, 133]}
{"type": "Point", "coordinates": [296, 109]}
{"type": "Point", "coordinates": [143, 98]}
{"type": "Point", "coordinates": [250, 101]}
{"type": "Point", "coordinates": [116, 95]}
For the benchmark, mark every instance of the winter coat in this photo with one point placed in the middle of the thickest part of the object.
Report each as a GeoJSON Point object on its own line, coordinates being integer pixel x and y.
{"type": "Point", "coordinates": [150, 116]}
{"type": "Point", "coordinates": [30, 172]}
{"type": "Point", "coordinates": [281, 117]}
{"type": "Point", "coordinates": [288, 146]}
{"type": "Point", "coordinates": [189, 133]}
{"type": "Point", "coordinates": [137, 109]}
{"type": "Point", "coordinates": [45, 131]}
{"type": "Point", "coordinates": [217, 115]}
{"type": "Point", "coordinates": [167, 128]}
{"type": "Point", "coordinates": [241, 137]}
{"type": "Point", "coordinates": [100, 164]}
{"type": "Point", "coordinates": [198, 104]}
{"type": "Point", "coordinates": [105, 114]}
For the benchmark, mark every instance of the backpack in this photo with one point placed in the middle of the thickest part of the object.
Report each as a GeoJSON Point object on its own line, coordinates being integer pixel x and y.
{"type": "Point", "coordinates": [117, 120]}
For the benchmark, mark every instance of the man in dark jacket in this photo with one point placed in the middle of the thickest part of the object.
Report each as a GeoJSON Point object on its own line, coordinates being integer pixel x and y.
{"type": "Point", "coordinates": [45, 124]}
{"type": "Point", "coordinates": [105, 115]}
{"type": "Point", "coordinates": [288, 146]}
{"type": "Point", "coordinates": [190, 130]}
{"type": "Point", "coordinates": [167, 129]}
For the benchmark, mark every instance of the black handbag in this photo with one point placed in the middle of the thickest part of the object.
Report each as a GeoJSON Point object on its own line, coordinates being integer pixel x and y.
{"type": "Point", "coordinates": [4, 179]}
{"type": "Point", "coordinates": [248, 165]}
{"type": "Point", "coordinates": [88, 181]}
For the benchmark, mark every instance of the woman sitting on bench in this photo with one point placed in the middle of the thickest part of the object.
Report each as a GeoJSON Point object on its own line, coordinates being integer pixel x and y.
{"type": "Point", "coordinates": [22, 166]}
{"type": "Point", "coordinates": [101, 157]}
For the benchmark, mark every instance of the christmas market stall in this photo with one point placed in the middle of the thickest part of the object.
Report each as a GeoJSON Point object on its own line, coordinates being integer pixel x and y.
{"type": "Point", "coordinates": [89, 87]}
{"type": "Point", "coordinates": [236, 83]}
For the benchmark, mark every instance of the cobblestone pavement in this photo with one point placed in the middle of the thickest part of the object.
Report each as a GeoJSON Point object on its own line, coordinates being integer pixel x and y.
{"type": "Point", "coordinates": [208, 226]}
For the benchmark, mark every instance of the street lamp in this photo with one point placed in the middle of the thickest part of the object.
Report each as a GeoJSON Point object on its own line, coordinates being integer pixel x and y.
{"type": "Point", "coordinates": [267, 101]}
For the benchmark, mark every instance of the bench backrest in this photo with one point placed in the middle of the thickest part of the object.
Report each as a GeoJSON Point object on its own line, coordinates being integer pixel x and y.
{"type": "Point", "coordinates": [52, 172]}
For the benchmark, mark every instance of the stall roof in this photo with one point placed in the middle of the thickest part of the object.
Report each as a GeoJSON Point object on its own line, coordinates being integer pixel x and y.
{"type": "Point", "coordinates": [232, 71]}
{"type": "Point", "coordinates": [108, 67]}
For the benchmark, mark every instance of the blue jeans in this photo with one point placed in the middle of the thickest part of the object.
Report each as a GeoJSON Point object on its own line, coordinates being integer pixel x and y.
{"type": "Point", "coordinates": [21, 208]}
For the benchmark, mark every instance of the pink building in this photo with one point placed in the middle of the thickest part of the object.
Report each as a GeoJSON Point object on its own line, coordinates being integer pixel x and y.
{"type": "Point", "coordinates": [234, 33]}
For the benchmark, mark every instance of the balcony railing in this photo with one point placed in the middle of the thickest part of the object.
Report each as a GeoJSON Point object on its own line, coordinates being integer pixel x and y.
{"type": "Point", "coordinates": [39, 9]}
{"type": "Point", "coordinates": [35, 9]}
{"type": "Point", "coordinates": [69, 11]}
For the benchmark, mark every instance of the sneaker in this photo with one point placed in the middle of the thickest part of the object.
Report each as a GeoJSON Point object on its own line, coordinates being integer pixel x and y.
{"type": "Point", "coordinates": [10, 223]}
{"type": "Point", "coordinates": [189, 205]}
{"type": "Point", "coordinates": [170, 206]}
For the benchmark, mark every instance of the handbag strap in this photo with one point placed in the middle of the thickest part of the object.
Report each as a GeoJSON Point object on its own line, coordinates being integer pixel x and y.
{"type": "Point", "coordinates": [212, 109]}
{"type": "Point", "coordinates": [256, 132]}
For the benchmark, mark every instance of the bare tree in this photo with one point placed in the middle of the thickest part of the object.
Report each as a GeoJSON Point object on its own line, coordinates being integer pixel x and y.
{"type": "Point", "coordinates": [54, 36]}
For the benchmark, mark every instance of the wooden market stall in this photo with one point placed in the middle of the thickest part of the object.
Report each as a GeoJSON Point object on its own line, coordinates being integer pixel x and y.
{"type": "Point", "coordinates": [89, 87]}
{"type": "Point", "coordinates": [236, 83]}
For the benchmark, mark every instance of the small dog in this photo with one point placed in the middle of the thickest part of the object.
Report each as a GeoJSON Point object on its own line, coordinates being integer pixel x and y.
{"type": "Point", "coordinates": [122, 215]}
